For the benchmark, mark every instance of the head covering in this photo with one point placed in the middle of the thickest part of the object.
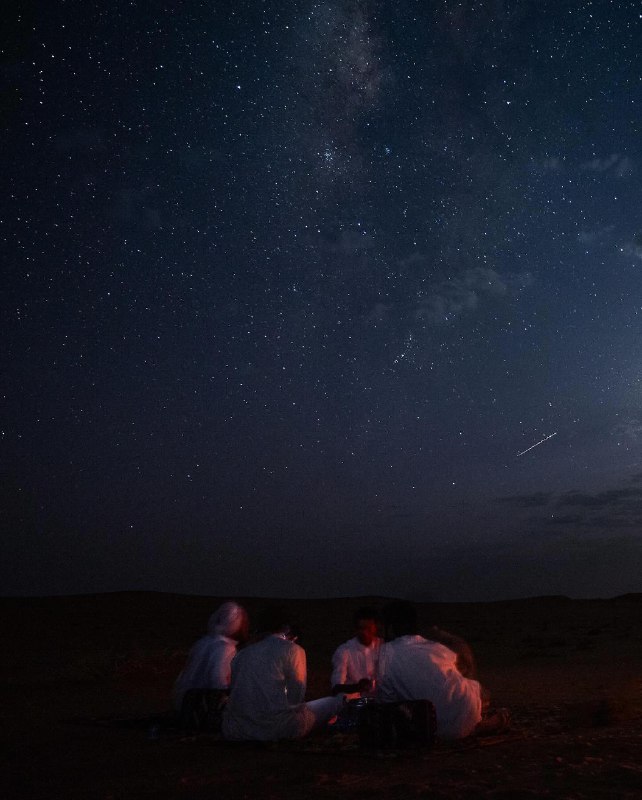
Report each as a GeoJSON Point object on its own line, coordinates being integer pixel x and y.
{"type": "Point", "coordinates": [227, 620]}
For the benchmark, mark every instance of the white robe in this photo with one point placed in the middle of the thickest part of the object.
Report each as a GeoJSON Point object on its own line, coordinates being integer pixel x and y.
{"type": "Point", "coordinates": [209, 666]}
{"type": "Point", "coordinates": [266, 697]}
{"type": "Point", "coordinates": [413, 668]}
{"type": "Point", "coordinates": [209, 661]}
{"type": "Point", "coordinates": [353, 661]}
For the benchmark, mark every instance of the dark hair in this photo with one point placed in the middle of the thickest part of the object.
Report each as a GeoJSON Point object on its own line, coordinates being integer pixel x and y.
{"type": "Point", "coordinates": [367, 612]}
{"type": "Point", "coordinates": [401, 616]}
{"type": "Point", "coordinates": [277, 618]}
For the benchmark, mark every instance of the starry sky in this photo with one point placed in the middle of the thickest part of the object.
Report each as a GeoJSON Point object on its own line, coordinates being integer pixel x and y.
{"type": "Point", "coordinates": [322, 298]}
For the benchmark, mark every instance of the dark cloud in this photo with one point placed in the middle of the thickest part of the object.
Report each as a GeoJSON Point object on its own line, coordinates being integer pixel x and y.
{"type": "Point", "coordinates": [582, 511]}
{"type": "Point", "coordinates": [612, 521]}
{"type": "Point", "coordinates": [606, 499]}
{"type": "Point", "coordinates": [565, 519]}
{"type": "Point", "coordinates": [536, 500]}
{"type": "Point", "coordinates": [575, 566]}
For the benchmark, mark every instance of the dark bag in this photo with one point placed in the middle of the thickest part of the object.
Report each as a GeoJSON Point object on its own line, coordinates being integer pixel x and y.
{"type": "Point", "coordinates": [409, 724]}
{"type": "Point", "coordinates": [202, 710]}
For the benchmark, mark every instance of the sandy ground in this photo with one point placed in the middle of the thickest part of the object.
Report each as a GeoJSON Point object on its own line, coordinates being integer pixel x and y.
{"type": "Point", "coordinates": [571, 672]}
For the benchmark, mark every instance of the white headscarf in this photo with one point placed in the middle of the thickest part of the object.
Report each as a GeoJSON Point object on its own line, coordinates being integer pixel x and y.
{"type": "Point", "coordinates": [227, 620]}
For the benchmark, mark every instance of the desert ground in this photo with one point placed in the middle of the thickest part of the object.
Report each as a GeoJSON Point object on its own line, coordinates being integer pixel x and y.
{"type": "Point", "coordinates": [81, 675]}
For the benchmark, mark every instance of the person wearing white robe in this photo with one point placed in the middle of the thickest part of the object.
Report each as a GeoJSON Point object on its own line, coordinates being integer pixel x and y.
{"type": "Point", "coordinates": [267, 693]}
{"type": "Point", "coordinates": [209, 661]}
{"type": "Point", "coordinates": [414, 668]}
{"type": "Point", "coordinates": [354, 663]}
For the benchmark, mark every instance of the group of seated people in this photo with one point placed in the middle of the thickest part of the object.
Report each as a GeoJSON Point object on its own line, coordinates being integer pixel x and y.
{"type": "Point", "coordinates": [263, 683]}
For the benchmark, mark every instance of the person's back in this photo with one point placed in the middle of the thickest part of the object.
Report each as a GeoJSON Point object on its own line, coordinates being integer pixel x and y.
{"type": "Point", "coordinates": [209, 661]}
{"type": "Point", "coordinates": [208, 664]}
{"type": "Point", "coordinates": [413, 668]}
{"type": "Point", "coordinates": [268, 688]}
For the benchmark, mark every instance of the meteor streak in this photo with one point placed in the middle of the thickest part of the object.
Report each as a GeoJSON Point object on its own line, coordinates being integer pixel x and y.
{"type": "Point", "coordinates": [550, 436]}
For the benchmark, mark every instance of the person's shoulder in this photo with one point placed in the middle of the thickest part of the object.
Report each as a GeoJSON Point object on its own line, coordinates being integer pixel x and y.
{"type": "Point", "coordinates": [294, 647]}
{"type": "Point", "coordinates": [242, 653]}
{"type": "Point", "coordinates": [248, 650]}
{"type": "Point", "coordinates": [282, 645]}
{"type": "Point", "coordinates": [431, 644]}
{"type": "Point", "coordinates": [286, 650]}
{"type": "Point", "coordinates": [441, 652]}
{"type": "Point", "coordinates": [204, 643]}
{"type": "Point", "coordinates": [384, 649]}
{"type": "Point", "coordinates": [409, 640]}
{"type": "Point", "coordinates": [347, 646]}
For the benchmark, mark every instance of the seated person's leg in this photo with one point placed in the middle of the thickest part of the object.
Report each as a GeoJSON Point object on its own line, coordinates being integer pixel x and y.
{"type": "Point", "coordinates": [324, 709]}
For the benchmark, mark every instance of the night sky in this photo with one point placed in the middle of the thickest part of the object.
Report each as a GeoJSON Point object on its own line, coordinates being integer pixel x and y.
{"type": "Point", "coordinates": [291, 289]}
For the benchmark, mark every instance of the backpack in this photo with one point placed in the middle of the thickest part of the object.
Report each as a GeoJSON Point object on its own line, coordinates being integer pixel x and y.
{"type": "Point", "coordinates": [202, 710]}
{"type": "Point", "coordinates": [408, 724]}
